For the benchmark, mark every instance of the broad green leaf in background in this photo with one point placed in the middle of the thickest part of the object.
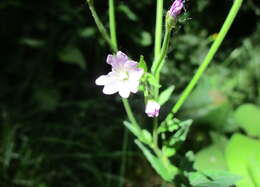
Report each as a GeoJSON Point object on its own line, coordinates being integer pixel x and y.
{"type": "Point", "coordinates": [213, 156]}
{"type": "Point", "coordinates": [208, 104]}
{"type": "Point", "coordinates": [165, 95]}
{"type": "Point", "coordinates": [243, 158]}
{"type": "Point", "coordinates": [248, 117]}
{"type": "Point", "coordinates": [212, 178]}
{"type": "Point", "coordinates": [254, 170]}
{"type": "Point", "coordinates": [72, 56]}
{"type": "Point", "coordinates": [166, 171]}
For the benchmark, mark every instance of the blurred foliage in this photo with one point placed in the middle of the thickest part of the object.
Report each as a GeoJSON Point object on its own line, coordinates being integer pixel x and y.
{"type": "Point", "coordinates": [57, 129]}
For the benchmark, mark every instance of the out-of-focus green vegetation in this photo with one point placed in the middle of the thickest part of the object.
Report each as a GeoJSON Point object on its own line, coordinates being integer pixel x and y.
{"type": "Point", "coordinates": [57, 129]}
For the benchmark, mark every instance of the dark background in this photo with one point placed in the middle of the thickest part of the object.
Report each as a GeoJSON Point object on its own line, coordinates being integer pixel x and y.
{"type": "Point", "coordinates": [58, 129]}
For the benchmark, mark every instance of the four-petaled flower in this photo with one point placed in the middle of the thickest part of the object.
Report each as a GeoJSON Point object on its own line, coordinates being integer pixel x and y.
{"type": "Point", "coordinates": [176, 8]}
{"type": "Point", "coordinates": [124, 77]}
{"type": "Point", "coordinates": [152, 108]}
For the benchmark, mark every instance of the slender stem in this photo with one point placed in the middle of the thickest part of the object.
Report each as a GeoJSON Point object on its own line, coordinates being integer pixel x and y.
{"type": "Point", "coordinates": [225, 28]}
{"type": "Point", "coordinates": [124, 157]}
{"type": "Point", "coordinates": [157, 64]}
{"type": "Point", "coordinates": [129, 112]}
{"type": "Point", "coordinates": [112, 23]}
{"type": "Point", "coordinates": [158, 28]}
{"type": "Point", "coordinates": [155, 134]}
{"type": "Point", "coordinates": [100, 25]}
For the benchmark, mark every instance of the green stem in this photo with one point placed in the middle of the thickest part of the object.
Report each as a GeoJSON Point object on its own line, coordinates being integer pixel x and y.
{"type": "Point", "coordinates": [112, 23]}
{"type": "Point", "coordinates": [225, 28]}
{"type": "Point", "coordinates": [158, 64]}
{"type": "Point", "coordinates": [100, 25]}
{"type": "Point", "coordinates": [158, 28]}
{"type": "Point", "coordinates": [124, 157]}
{"type": "Point", "coordinates": [155, 134]}
{"type": "Point", "coordinates": [159, 61]}
{"type": "Point", "coordinates": [129, 112]}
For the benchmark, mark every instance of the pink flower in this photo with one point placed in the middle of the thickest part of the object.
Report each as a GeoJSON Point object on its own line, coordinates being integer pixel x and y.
{"type": "Point", "coordinates": [176, 8]}
{"type": "Point", "coordinates": [124, 77]}
{"type": "Point", "coordinates": [152, 108]}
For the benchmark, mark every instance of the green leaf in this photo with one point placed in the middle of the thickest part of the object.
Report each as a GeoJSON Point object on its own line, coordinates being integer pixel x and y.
{"type": "Point", "coordinates": [168, 151]}
{"type": "Point", "coordinates": [240, 152]}
{"type": "Point", "coordinates": [87, 32]}
{"type": "Point", "coordinates": [146, 137]}
{"type": "Point", "coordinates": [142, 64]}
{"type": "Point", "coordinates": [254, 170]}
{"type": "Point", "coordinates": [211, 157]}
{"type": "Point", "coordinates": [165, 95]}
{"type": "Point", "coordinates": [136, 131]}
{"type": "Point", "coordinates": [167, 173]}
{"type": "Point", "coordinates": [151, 79]}
{"type": "Point", "coordinates": [72, 56]}
{"type": "Point", "coordinates": [144, 39]}
{"type": "Point", "coordinates": [142, 135]}
{"type": "Point", "coordinates": [32, 42]}
{"type": "Point", "coordinates": [182, 132]}
{"type": "Point", "coordinates": [128, 12]}
{"type": "Point", "coordinates": [169, 125]}
{"type": "Point", "coordinates": [248, 117]}
{"type": "Point", "coordinates": [213, 178]}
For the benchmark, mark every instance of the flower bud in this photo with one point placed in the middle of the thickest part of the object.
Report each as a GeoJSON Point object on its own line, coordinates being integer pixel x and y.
{"type": "Point", "coordinates": [176, 8]}
{"type": "Point", "coordinates": [152, 108]}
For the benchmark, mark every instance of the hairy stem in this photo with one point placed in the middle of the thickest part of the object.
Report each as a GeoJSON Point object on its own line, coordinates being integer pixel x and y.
{"type": "Point", "coordinates": [225, 28]}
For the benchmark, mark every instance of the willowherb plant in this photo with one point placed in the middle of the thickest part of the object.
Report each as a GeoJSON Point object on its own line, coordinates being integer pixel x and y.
{"type": "Point", "coordinates": [126, 76]}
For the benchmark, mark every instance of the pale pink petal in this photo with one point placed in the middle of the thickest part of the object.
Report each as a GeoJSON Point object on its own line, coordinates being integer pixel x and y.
{"type": "Point", "coordinates": [124, 93]}
{"type": "Point", "coordinates": [110, 88]}
{"type": "Point", "coordinates": [124, 77]}
{"type": "Point", "coordinates": [124, 90]}
{"type": "Point", "coordinates": [135, 74]}
{"type": "Point", "coordinates": [133, 86]}
{"type": "Point", "coordinates": [102, 80]}
{"type": "Point", "coordinates": [121, 56]}
{"type": "Point", "coordinates": [117, 61]}
{"type": "Point", "coordinates": [106, 79]}
{"type": "Point", "coordinates": [130, 64]}
{"type": "Point", "coordinates": [110, 59]}
{"type": "Point", "coordinates": [152, 108]}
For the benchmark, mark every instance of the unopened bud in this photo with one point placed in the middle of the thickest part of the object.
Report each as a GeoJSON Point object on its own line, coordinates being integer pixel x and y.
{"type": "Point", "coordinates": [176, 8]}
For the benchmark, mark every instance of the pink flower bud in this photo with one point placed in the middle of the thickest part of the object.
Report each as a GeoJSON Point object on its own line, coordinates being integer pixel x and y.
{"type": "Point", "coordinates": [152, 108]}
{"type": "Point", "coordinates": [176, 8]}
